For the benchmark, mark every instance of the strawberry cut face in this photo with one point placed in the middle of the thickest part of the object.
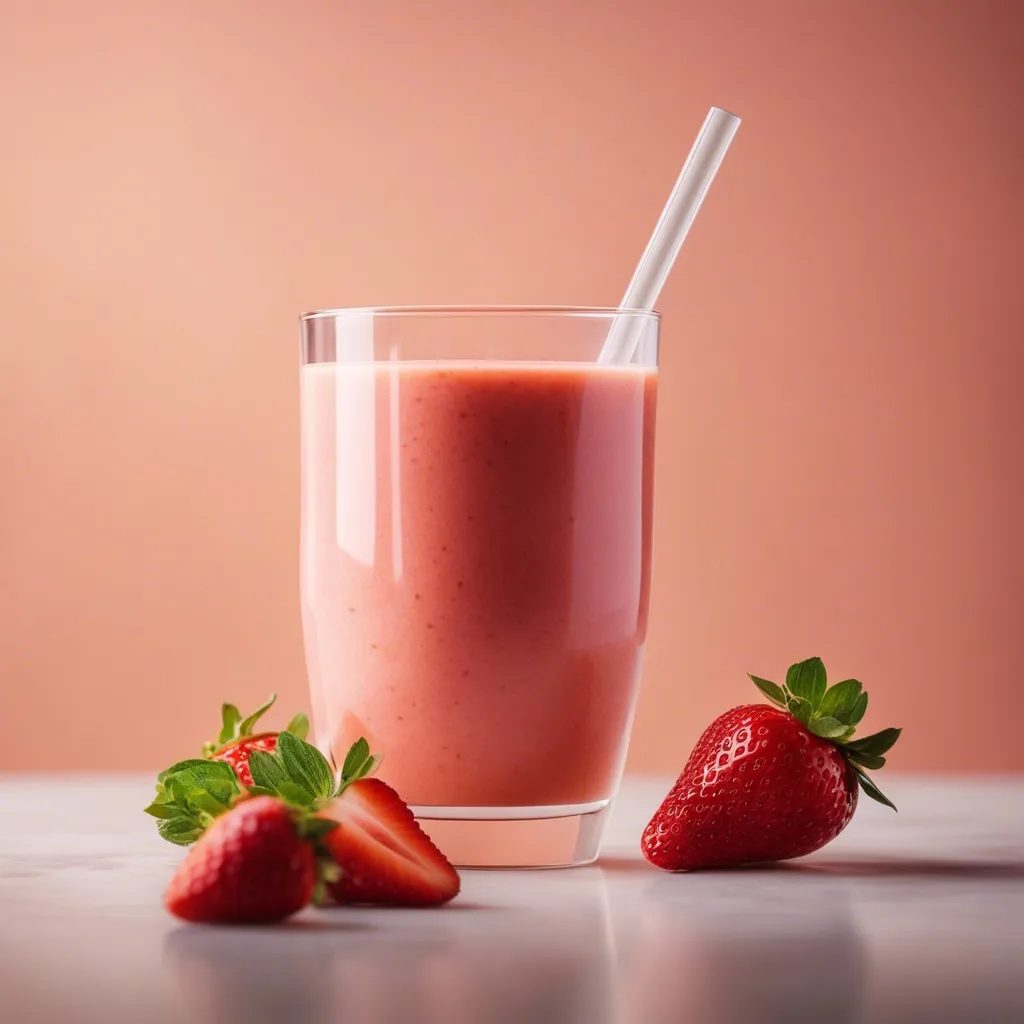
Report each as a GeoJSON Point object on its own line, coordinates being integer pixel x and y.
{"type": "Point", "coordinates": [384, 855]}
{"type": "Point", "coordinates": [369, 846]}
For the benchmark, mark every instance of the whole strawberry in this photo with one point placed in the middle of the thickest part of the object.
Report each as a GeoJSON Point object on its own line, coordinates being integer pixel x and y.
{"type": "Point", "coordinates": [256, 863]}
{"type": "Point", "coordinates": [237, 741]}
{"type": "Point", "coordinates": [770, 783]}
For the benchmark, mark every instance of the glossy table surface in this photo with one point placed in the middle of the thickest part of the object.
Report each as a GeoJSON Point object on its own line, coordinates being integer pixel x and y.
{"type": "Point", "coordinates": [911, 917]}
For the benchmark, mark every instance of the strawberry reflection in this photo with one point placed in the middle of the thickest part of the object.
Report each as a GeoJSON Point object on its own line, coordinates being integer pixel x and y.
{"type": "Point", "coordinates": [503, 953]}
{"type": "Point", "coordinates": [255, 974]}
{"type": "Point", "coordinates": [753, 945]}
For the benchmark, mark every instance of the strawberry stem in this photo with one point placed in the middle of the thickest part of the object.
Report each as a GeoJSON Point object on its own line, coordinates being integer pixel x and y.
{"type": "Point", "coordinates": [833, 713]}
{"type": "Point", "coordinates": [190, 794]}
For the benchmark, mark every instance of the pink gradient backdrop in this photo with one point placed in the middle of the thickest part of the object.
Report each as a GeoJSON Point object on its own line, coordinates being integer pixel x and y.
{"type": "Point", "coordinates": [840, 433]}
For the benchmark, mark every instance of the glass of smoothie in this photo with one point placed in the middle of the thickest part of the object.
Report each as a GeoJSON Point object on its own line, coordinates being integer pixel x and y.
{"type": "Point", "coordinates": [475, 562]}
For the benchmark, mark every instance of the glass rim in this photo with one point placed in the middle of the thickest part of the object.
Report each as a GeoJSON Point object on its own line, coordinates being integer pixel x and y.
{"type": "Point", "coordinates": [593, 312]}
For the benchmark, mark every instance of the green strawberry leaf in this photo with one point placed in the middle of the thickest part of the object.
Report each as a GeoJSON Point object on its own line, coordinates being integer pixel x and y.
{"type": "Point", "coordinates": [359, 764]}
{"type": "Point", "coordinates": [807, 679]}
{"type": "Point", "coordinates": [833, 714]}
{"type": "Point", "coordinates": [180, 831]}
{"type": "Point", "coordinates": [859, 707]}
{"type": "Point", "coordinates": [871, 790]}
{"type": "Point", "coordinates": [800, 709]}
{"type": "Point", "coordinates": [223, 791]}
{"type": "Point", "coordinates": [246, 725]}
{"type": "Point", "coordinates": [355, 758]}
{"type": "Point", "coordinates": [203, 800]}
{"type": "Point", "coordinates": [298, 726]}
{"type": "Point", "coordinates": [192, 793]}
{"type": "Point", "coordinates": [177, 790]}
{"type": "Point", "coordinates": [877, 743]}
{"type": "Point", "coordinates": [295, 794]}
{"type": "Point", "coordinates": [182, 789]}
{"type": "Point", "coordinates": [192, 762]}
{"type": "Point", "coordinates": [267, 771]}
{"type": "Point", "coordinates": [305, 765]}
{"type": "Point", "coordinates": [260, 791]}
{"type": "Point", "coordinates": [196, 772]}
{"type": "Point", "coordinates": [230, 716]}
{"type": "Point", "coordinates": [189, 795]}
{"type": "Point", "coordinates": [840, 699]}
{"type": "Point", "coordinates": [771, 690]}
{"type": "Point", "coordinates": [827, 728]}
{"type": "Point", "coordinates": [872, 761]}
{"type": "Point", "coordinates": [159, 809]}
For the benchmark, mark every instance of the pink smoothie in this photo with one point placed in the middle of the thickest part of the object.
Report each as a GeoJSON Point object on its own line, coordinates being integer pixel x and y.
{"type": "Point", "coordinates": [476, 546]}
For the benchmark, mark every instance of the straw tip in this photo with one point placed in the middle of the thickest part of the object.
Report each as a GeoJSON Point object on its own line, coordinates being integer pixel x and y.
{"type": "Point", "coordinates": [728, 113]}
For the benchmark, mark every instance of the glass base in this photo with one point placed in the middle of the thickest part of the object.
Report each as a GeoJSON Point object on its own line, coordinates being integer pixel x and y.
{"type": "Point", "coordinates": [567, 836]}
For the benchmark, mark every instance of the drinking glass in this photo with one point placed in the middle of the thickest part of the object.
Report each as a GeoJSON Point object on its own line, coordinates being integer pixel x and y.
{"type": "Point", "coordinates": [475, 562]}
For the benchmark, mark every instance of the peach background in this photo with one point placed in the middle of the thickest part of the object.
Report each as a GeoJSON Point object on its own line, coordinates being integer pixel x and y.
{"type": "Point", "coordinates": [840, 458]}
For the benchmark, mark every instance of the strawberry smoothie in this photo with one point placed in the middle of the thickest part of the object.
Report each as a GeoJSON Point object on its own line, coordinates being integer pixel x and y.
{"type": "Point", "coordinates": [475, 564]}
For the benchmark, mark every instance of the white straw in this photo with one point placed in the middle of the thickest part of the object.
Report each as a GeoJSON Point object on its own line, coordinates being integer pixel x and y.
{"type": "Point", "coordinates": [694, 180]}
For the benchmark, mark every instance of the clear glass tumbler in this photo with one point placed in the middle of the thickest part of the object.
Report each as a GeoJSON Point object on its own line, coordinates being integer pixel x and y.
{"type": "Point", "coordinates": [475, 563]}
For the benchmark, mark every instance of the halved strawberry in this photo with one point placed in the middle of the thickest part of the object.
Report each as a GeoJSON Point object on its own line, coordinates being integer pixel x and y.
{"type": "Point", "coordinates": [384, 855]}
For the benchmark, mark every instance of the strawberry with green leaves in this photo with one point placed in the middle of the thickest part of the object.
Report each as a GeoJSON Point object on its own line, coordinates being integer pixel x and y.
{"type": "Point", "coordinates": [382, 854]}
{"type": "Point", "coordinates": [237, 741]}
{"type": "Point", "coordinates": [190, 795]}
{"type": "Point", "coordinates": [260, 861]}
{"type": "Point", "coordinates": [771, 782]}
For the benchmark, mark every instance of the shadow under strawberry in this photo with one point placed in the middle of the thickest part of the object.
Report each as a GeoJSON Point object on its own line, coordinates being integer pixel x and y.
{"type": "Point", "coordinates": [866, 866]}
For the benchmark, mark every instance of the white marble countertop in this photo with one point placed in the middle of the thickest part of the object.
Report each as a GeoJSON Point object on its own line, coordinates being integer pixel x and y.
{"type": "Point", "coordinates": [904, 918]}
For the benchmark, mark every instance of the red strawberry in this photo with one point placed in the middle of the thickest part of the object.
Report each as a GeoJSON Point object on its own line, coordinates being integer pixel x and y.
{"type": "Point", "coordinates": [767, 784]}
{"type": "Point", "coordinates": [252, 864]}
{"type": "Point", "coordinates": [384, 855]}
{"type": "Point", "coordinates": [237, 753]}
{"type": "Point", "coordinates": [236, 740]}
{"type": "Point", "coordinates": [361, 826]}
